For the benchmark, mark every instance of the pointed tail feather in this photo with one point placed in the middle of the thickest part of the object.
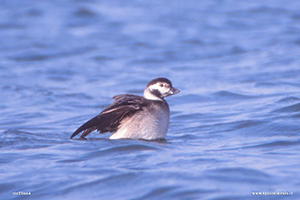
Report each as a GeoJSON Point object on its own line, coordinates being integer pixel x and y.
{"type": "Point", "coordinates": [87, 127]}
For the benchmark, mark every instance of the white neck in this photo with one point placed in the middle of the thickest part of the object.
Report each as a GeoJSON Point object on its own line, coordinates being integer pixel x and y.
{"type": "Point", "coordinates": [148, 95]}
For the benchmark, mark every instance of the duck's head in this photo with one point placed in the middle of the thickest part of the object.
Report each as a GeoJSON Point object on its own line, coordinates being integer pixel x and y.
{"type": "Point", "coordinates": [159, 88]}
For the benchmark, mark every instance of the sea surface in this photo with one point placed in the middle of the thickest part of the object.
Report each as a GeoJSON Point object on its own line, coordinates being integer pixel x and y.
{"type": "Point", "coordinates": [235, 126]}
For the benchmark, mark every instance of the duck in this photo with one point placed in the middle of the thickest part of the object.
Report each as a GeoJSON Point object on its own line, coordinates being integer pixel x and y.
{"type": "Point", "coordinates": [130, 116]}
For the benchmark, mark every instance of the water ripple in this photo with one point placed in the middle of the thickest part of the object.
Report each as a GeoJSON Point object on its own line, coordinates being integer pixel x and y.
{"type": "Point", "coordinates": [288, 109]}
{"type": "Point", "coordinates": [228, 95]}
{"type": "Point", "coordinates": [116, 150]}
{"type": "Point", "coordinates": [240, 174]}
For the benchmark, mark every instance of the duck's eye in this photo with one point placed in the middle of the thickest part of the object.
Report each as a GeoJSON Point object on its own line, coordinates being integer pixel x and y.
{"type": "Point", "coordinates": [161, 85]}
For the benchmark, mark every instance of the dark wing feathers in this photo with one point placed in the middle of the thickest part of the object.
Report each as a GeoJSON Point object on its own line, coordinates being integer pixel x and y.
{"type": "Point", "coordinates": [109, 119]}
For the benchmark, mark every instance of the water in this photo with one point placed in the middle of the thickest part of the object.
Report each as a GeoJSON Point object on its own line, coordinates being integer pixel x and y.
{"type": "Point", "coordinates": [234, 127]}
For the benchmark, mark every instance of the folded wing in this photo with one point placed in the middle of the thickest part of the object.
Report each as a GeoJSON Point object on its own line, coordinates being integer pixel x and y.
{"type": "Point", "coordinates": [109, 119]}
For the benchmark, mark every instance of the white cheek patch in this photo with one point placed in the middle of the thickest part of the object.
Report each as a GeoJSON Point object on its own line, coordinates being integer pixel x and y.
{"type": "Point", "coordinates": [163, 90]}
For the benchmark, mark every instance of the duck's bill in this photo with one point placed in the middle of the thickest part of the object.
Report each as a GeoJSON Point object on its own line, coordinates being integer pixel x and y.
{"type": "Point", "coordinates": [174, 91]}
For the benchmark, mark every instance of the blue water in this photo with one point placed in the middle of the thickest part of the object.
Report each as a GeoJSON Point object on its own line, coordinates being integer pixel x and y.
{"type": "Point", "coordinates": [234, 127]}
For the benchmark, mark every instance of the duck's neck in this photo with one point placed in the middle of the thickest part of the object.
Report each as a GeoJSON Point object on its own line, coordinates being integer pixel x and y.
{"type": "Point", "coordinates": [149, 95]}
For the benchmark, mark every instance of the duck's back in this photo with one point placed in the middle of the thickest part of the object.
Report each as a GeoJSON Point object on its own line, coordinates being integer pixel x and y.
{"type": "Point", "coordinates": [151, 122]}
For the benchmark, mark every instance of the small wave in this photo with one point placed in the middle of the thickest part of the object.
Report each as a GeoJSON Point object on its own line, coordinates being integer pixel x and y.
{"type": "Point", "coordinates": [176, 192]}
{"type": "Point", "coordinates": [118, 181]}
{"type": "Point", "coordinates": [191, 98]}
{"type": "Point", "coordinates": [31, 58]}
{"type": "Point", "coordinates": [248, 123]}
{"type": "Point", "coordinates": [84, 12]}
{"type": "Point", "coordinates": [122, 149]}
{"type": "Point", "coordinates": [276, 84]}
{"type": "Point", "coordinates": [74, 96]}
{"type": "Point", "coordinates": [291, 108]}
{"type": "Point", "coordinates": [229, 126]}
{"type": "Point", "coordinates": [160, 192]}
{"type": "Point", "coordinates": [289, 100]}
{"type": "Point", "coordinates": [6, 187]}
{"type": "Point", "coordinates": [277, 144]}
{"type": "Point", "coordinates": [16, 139]}
{"type": "Point", "coordinates": [9, 157]}
{"type": "Point", "coordinates": [265, 85]}
{"type": "Point", "coordinates": [228, 95]}
{"type": "Point", "coordinates": [32, 115]}
{"type": "Point", "coordinates": [266, 145]}
{"type": "Point", "coordinates": [239, 174]}
{"type": "Point", "coordinates": [190, 117]}
{"type": "Point", "coordinates": [36, 56]}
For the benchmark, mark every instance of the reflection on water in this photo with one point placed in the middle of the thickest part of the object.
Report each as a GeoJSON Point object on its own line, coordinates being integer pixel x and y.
{"type": "Point", "coordinates": [234, 128]}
